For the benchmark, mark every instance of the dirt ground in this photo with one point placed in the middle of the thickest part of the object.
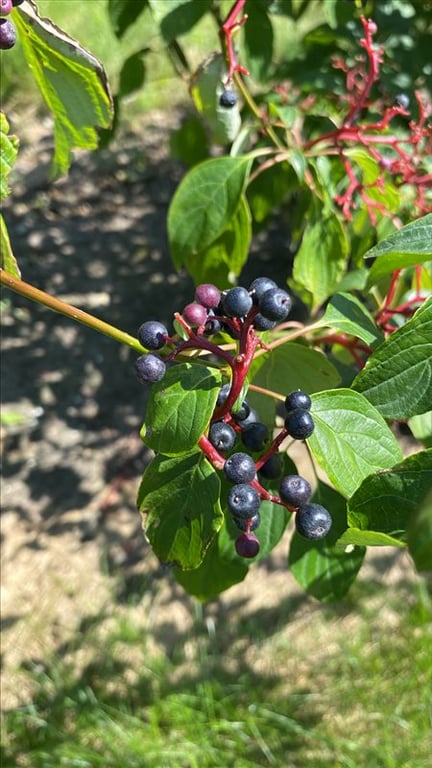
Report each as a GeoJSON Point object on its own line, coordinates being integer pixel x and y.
{"type": "Point", "coordinates": [72, 409]}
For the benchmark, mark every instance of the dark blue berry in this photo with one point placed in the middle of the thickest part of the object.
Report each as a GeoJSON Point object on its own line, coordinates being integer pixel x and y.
{"type": "Point", "coordinates": [243, 500]}
{"type": "Point", "coordinates": [247, 523]}
{"type": "Point", "coordinates": [223, 394]}
{"type": "Point", "coordinates": [295, 490]}
{"type": "Point", "coordinates": [7, 34]}
{"type": "Point", "coordinates": [275, 304]}
{"type": "Point", "coordinates": [152, 334]}
{"type": "Point", "coordinates": [262, 323]}
{"type": "Point", "coordinates": [299, 424]}
{"type": "Point", "coordinates": [242, 413]}
{"type": "Point", "coordinates": [212, 325]}
{"type": "Point", "coordinates": [251, 418]}
{"type": "Point", "coordinates": [228, 99]}
{"type": "Point", "coordinates": [297, 399]}
{"type": "Point", "coordinates": [240, 468]}
{"type": "Point", "coordinates": [247, 545]}
{"type": "Point", "coordinates": [313, 521]}
{"type": "Point", "coordinates": [255, 436]}
{"type": "Point", "coordinates": [149, 369]}
{"type": "Point", "coordinates": [272, 469]}
{"type": "Point", "coordinates": [195, 314]}
{"type": "Point", "coordinates": [402, 100]}
{"type": "Point", "coordinates": [222, 436]}
{"type": "Point", "coordinates": [208, 295]}
{"type": "Point", "coordinates": [236, 302]}
{"type": "Point", "coordinates": [259, 286]}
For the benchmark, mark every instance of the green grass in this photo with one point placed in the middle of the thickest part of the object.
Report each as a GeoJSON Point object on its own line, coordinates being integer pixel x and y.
{"type": "Point", "coordinates": [348, 691]}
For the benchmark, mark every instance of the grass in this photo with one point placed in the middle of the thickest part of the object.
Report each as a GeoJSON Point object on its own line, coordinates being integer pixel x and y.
{"type": "Point", "coordinates": [348, 691]}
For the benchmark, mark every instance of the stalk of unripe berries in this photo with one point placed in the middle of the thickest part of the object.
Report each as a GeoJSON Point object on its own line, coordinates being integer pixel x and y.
{"type": "Point", "coordinates": [242, 314]}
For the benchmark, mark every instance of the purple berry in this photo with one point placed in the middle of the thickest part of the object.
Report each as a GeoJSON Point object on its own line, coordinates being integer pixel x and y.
{"type": "Point", "coordinates": [295, 490]}
{"type": "Point", "coordinates": [247, 545]}
{"type": "Point", "coordinates": [313, 521]}
{"type": "Point", "coordinates": [299, 424]}
{"type": "Point", "coordinates": [297, 399]}
{"type": "Point", "coordinates": [208, 295]}
{"type": "Point", "coordinates": [149, 369]}
{"type": "Point", "coordinates": [7, 34]}
{"type": "Point", "coordinates": [228, 99]}
{"type": "Point", "coordinates": [152, 334]}
{"type": "Point", "coordinates": [243, 500]}
{"type": "Point", "coordinates": [236, 302]}
{"type": "Point", "coordinates": [5, 7]}
{"type": "Point", "coordinates": [240, 468]}
{"type": "Point", "coordinates": [195, 314]}
{"type": "Point", "coordinates": [275, 304]}
{"type": "Point", "coordinates": [222, 436]}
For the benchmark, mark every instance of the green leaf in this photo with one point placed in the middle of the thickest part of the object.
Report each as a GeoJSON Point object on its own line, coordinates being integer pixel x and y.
{"type": "Point", "coordinates": [356, 537]}
{"type": "Point", "coordinates": [8, 155]}
{"type": "Point", "coordinates": [397, 378]}
{"type": "Point", "coordinates": [274, 520]}
{"type": "Point", "coordinates": [204, 204]}
{"type": "Point", "coordinates": [288, 367]}
{"type": "Point", "coordinates": [381, 191]}
{"type": "Point", "coordinates": [8, 260]}
{"type": "Point", "coordinates": [72, 82]}
{"type": "Point", "coordinates": [268, 190]}
{"type": "Point", "coordinates": [220, 569]}
{"type": "Point", "coordinates": [321, 259]}
{"type": "Point", "coordinates": [419, 536]}
{"type": "Point", "coordinates": [258, 41]}
{"type": "Point", "coordinates": [410, 245]}
{"type": "Point", "coordinates": [322, 567]}
{"type": "Point", "coordinates": [386, 500]}
{"type": "Point", "coordinates": [123, 13]}
{"type": "Point", "coordinates": [205, 89]}
{"type": "Point", "coordinates": [182, 18]}
{"type": "Point", "coordinates": [421, 427]}
{"type": "Point", "coordinates": [189, 142]}
{"type": "Point", "coordinates": [222, 261]}
{"type": "Point", "coordinates": [347, 314]}
{"type": "Point", "coordinates": [132, 73]}
{"type": "Point", "coordinates": [179, 500]}
{"type": "Point", "coordinates": [351, 439]}
{"type": "Point", "coordinates": [180, 407]}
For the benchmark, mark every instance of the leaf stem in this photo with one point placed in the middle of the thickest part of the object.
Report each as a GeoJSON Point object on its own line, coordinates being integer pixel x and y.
{"type": "Point", "coordinates": [57, 305]}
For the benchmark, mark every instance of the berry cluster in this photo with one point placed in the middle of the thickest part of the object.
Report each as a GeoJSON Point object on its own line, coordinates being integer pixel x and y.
{"type": "Point", "coordinates": [7, 27]}
{"type": "Point", "coordinates": [242, 313]}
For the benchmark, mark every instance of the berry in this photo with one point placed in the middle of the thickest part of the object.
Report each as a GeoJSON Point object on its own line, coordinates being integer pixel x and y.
{"type": "Point", "coordinates": [272, 468]}
{"type": "Point", "coordinates": [402, 100]}
{"type": "Point", "coordinates": [236, 302]}
{"type": "Point", "coordinates": [5, 7]}
{"type": "Point", "coordinates": [243, 500]}
{"type": "Point", "coordinates": [242, 413]}
{"type": "Point", "coordinates": [152, 334]}
{"type": "Point", "coordinates": [247, 545]}
{"type": "Point", "coordinates": [240, 468]}
{"type": "Point", "coordinates": [259, 286]}
{"type": "Point", "coordinates": [297, 399]}
{"type": "Point", "coordinates": [150, 368]}
{"type": "Point", "coordinates": [222, 436]}
{"type": "Point", "coordinates": [17, 2]}
{"type": "Point", "coordinates": [249, 523]}
{"type": "Point", "coordinates": [275, 304]}
{"type": "Point", "coordinates": [208, 295]}
{"type": "Point", "coordinates": [7, 34]}
{"type": "Point", "coordinates": [223, 394]}
{"type": "Point", "coordinates": [212, 325]}
{"type": "Point", "coordinates": [255, 436]}
{"type": "Point", "coordinates": [295, 490]}
{"type": "Point", "coordinates": [250, 419]}
{"type": "Point", "coordinates": [195, 314]}
{"type": "Point", "coordinates": [313, 521]}
{"type": "Point", "coordinates": [299, 424]}
{"type": "Point", "coordinates": [228, 99]}
{"type": "Point", "coordinates": [262, 323]}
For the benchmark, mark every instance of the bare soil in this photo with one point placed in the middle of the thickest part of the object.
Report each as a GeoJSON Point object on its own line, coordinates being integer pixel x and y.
{"type": "Point", "coordinates": [72, 458]}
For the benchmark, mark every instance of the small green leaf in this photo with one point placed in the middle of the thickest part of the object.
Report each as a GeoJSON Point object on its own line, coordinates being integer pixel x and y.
{"type": "Point", "coordinates": [8, 260]}
{"type": "Point", "coordinates": [351, 439]}
{"type": "Point", "coordinates": [179, 500]}
{"type": "Point", "coordinates": [182, 18]}
{"type": "Point", "coordinates": [421, 427]}
{"type": "Point", "coordinates": [71, 80]}
{"type": "Point", "coordinates": [346, 313]}
{"type": "Point", "coordinates": [288, 367]}
{"type": "Point", "coordinates": [132, 73]}
{"type": "Point", "coordinates": [410, 245]}
{"type": "Point", "coordinates": [258, 41]}
{"type": "Point", "coordinates": [322, 568]}
{"type": "Point", "coordinates": [320, 262]}
{"type": "Point", "coordinates": [180, 407]}
{"type": "Point", "coordinates": [8, 155]}
{"type": "Point", "coordinates": [356, 537]}
{"type": "Point", "coordinates": [381, 191]}
{"type": "Point", "coordinates": [189, 142]}
{"type": "Point", "coordinates": [419, 536]}
{"type": "Point", "coordinates": [397, 378]}
{"type": "Point", "coordinates": [223, 260]}
{"type": "Point", "coordinates": [123, 13]}
{"type": "Point", "coordinates": [204, 205]}
{"type": "Point", "coordinates": [385, 501]}
{"type": "Point", "coordinates": [220, 569]}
